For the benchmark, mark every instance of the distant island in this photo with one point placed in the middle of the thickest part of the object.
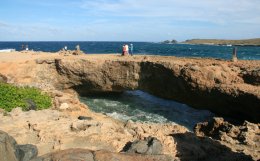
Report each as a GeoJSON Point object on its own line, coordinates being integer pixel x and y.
{"type": "Point", "coordinates": [170, 42]}
{"type": "Point", "coordinates": [245, 42]}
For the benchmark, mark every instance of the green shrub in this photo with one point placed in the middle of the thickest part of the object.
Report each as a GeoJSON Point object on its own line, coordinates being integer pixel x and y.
{"type": "Point", "coordinates": [24, 97]}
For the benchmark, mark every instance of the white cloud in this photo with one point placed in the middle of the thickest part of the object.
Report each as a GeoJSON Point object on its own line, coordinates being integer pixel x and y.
{"type": "Point", "coordinates": [223, 11]}
{"type": "Point", "coordinates": [3, 24]}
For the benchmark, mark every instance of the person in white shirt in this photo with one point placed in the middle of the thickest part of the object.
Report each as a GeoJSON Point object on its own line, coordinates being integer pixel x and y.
{"type": "Point", "coordinates": [127, 49]}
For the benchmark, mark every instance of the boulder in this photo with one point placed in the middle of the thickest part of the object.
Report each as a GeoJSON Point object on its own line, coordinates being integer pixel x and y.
{"type": "Point", "coordinates": [7, 147]}
{"type": "Point", "coordinates": [10, 151]}
{"type": "Point", "coordinates": [26, 152]}
{"type": "Point", "coordinates": [149, 145]}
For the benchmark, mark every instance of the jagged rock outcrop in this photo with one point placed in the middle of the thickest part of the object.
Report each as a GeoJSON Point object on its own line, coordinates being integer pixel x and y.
{"type": "Point", "coordinates": [244, 138]}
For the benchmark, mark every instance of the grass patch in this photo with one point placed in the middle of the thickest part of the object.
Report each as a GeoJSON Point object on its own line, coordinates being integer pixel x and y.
{"type": "Point", "coordinates": [25, 97]}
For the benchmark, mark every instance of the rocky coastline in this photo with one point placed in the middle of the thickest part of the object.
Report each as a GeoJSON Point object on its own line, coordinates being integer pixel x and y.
{"type": "Point", "coordinates": [70, 128]}
{"type": "Point", "coordinates": [243, 42]}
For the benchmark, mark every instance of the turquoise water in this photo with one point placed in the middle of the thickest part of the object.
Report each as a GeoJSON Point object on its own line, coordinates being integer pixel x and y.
{"type": "Point", "coordinates": [141, 106]}
{"type": "Point", "coordinates": [180, 50]}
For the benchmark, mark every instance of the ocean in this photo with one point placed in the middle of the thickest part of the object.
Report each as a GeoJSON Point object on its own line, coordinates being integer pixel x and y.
{"type": "Point", "coordinates": [145, 48]}
{"type": "Point", "coordinates": [143, 107]}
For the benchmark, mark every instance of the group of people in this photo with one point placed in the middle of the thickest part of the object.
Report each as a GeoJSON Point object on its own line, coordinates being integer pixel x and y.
{"type": "Point", "coordinates": [126, 50]}
{"type": "Point", "coordinates": [25, 47]}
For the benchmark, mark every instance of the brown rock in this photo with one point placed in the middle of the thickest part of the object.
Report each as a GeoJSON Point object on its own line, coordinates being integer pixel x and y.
{"type": "Point", "coordinates": [245, 136]}
{"type": "Point", "coordinates": [190, 147]}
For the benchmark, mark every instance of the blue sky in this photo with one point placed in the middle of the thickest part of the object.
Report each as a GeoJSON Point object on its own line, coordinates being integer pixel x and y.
{"type": "Point", "coordinates": [128, 20]}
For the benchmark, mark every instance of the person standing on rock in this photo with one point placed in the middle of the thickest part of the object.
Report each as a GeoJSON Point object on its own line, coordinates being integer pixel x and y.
{"type": "Point", "coordinates": [124, 50]}
{"type": "Point", "coordinates": [131, 49]}
{"type": "Point", "coordinates": [127, 49]}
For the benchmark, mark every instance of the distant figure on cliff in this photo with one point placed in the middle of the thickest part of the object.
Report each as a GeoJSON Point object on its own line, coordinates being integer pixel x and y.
{"type": "Point", "coordinates": [124, 50]}
{"type": "Point", "coordinates": [22, 46]}
{"type": "Point", "coordinates": [131, 49]}
{"type": "Point", "coordinates": [234, 55]}
{"type": "Point", "coordinates": [127, 49]}
{"type": "Point", "coordinates": [78, 48]}
{"type": "Point", "coordinates": [26, 48]}
{"type": "Point", "coordinates": [65, 48]}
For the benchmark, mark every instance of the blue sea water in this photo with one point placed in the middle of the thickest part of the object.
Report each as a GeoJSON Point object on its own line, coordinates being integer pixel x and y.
{"type": "Point", "coordinates": [141, 106]}
{"type": "Point", "coordinates": [147, 48]}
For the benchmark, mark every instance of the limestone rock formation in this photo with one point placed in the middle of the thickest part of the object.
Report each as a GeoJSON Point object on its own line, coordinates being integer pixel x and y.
{"type": "Point", "coordinates": [206, 84]}
{"type": "Point", "coordinates": [226, 88]}
{"type": "Point", "coordinates": [190, 147]}
{"type": "Point", "coordinates": [245, 137]}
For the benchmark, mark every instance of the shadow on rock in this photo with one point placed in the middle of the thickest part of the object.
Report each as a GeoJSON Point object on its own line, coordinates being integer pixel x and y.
{"type": "Point", "coordinates": [241, 137]}
{"type": "Point", "coordinates": [193, 148]}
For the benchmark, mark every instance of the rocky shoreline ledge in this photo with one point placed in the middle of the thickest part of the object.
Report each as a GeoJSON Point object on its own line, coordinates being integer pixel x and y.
{"type": "Point", "coordinates": [226, 88]}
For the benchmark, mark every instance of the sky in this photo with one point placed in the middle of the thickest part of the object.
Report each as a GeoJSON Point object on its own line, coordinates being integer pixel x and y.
{"type": "Point", "coordinates": [128, 20]}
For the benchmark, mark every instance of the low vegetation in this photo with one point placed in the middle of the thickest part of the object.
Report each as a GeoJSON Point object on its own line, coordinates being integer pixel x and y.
{"type": "Point", "coordinates": [25, 97]}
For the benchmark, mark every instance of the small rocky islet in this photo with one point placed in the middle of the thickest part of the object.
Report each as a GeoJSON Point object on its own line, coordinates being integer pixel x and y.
{"type": "Point", "coordinates": [70, 131]}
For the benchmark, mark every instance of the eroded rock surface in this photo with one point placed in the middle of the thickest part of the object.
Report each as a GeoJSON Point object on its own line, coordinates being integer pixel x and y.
{"type": "Point", "coordinates": [244, 138]}
{"type": "Point", "coordinates": [87, 155]}
{"type": "Point", "coordinates": [191, 147]}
